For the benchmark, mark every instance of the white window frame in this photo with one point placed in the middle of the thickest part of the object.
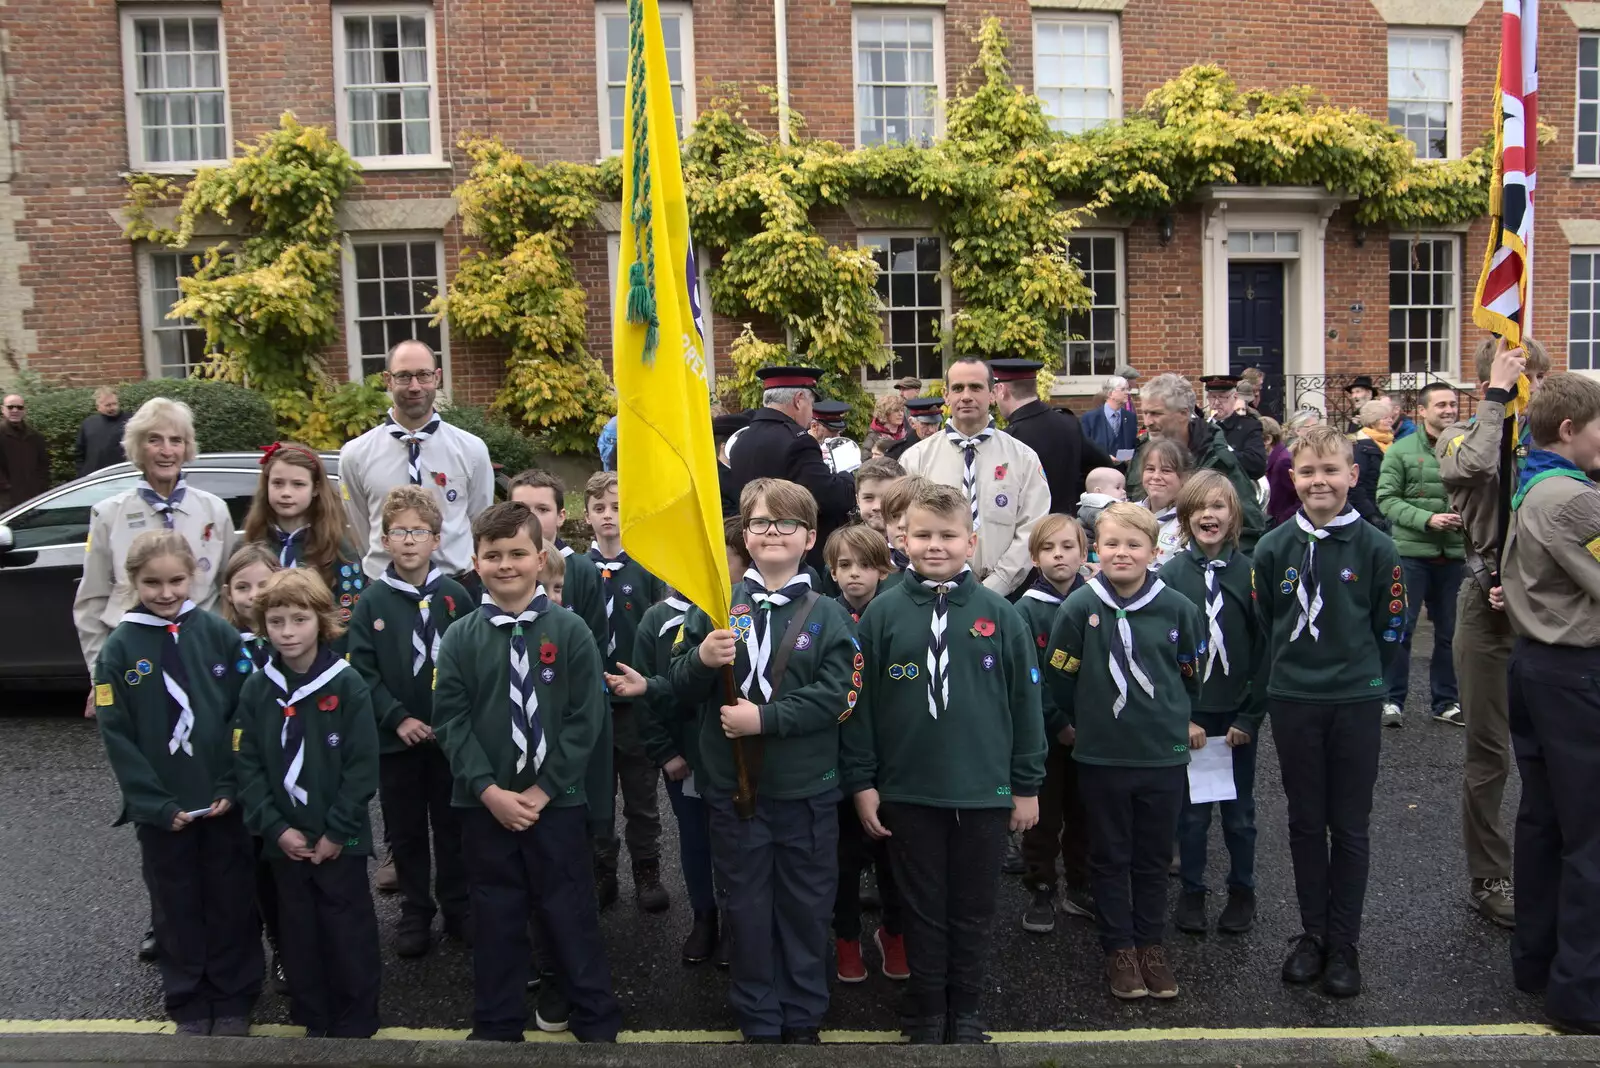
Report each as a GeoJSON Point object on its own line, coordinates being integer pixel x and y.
{"type": "Point", "coordinates": [684, 12]}
{"type": "Point", "coordinates": [1114, 26]}
{"type": "Point", "coordinates": [1077, 385]}
{"type": "Point", "coordinates": [702, 273]}
{"type": "Point", "coordinates": [151, 318]}
{"type": "Point", "coordinates": [877, 381]}
{"type": "Point", "coordinates": [130, 86]}
{"type": "Point", "coordinates": [1584, 170]}
{"type": "Point", "coordinates": [1453, 119]}
{"type": "Point", "coordinates": [352, 305]}
{"type": "Point", "coordinates": [1593, 311]}
{"type": "Point", "coordinates": [341, 106]}
{"type": "Point", "coordinates": [1452, 362]}
{"type": "Point", "coordinates": [937, 16]}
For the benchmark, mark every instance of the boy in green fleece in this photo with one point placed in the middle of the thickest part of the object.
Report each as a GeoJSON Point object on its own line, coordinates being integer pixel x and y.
{"type": "Point", "coordinates": [394, 643]}
{"type": "Point", "coordinates": [1125, 660]}
{"type": "Point", "coordinates": [945, 754]}
{"type": "Point", "coordinates": [166, 684]}
{"type": "Point", "coordinates": [1215, 574]}
{"type": "Point", "coordinates": [1332, 603]}
{"type": "Point", "coordinates": [795, 667]}
{"type": "Point", "coordinates": [308, 767]}
{"type": "Point", "coordinates": [518, 703]}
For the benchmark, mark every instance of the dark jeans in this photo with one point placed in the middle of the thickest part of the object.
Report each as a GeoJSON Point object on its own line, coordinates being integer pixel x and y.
{"type": "Point", "coordinates": [858, 851]}
{"type": "Point", "coordinates": [779, 871]}
{"type": "Point", "coordinates": [1434, 584]}
{"type": "Point", "coordinates": [694, 846]}
{"type": "Point", "coordinates": [201, 882]}
{"type": "Point", "coordinates": [1063, 827]}
{"type": "Point", "coordinates": [1328, 756]}
{"type": "Point", "coordinates": [1555, 731]}
{"type": "Point", "coordinates": [1133, 816]}
{"type": "Point", "coordinates": [1238, 817]}
{"type": "Point", "coordinates": [947, 866]}
{"type": "Point", "coordinates": [330, 945]}
{"type": "Point", "coordinates": [414, 791]}
{"type": "Point", "coordinates": [636, 776]}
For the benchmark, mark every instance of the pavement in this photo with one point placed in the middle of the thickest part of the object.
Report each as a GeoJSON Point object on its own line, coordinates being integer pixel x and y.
{"type": "Point", "coordinates": [1435, 971]}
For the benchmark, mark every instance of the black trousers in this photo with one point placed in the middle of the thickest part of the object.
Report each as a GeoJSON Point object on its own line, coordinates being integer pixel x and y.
{"type": "Point", "coordinates": [328, 935]}
{"type": "Point", "coordinates": [1133, 819]}
{"type": "Point", "coordinates": [203, 909]}
{"type": "Point", "coordinates": [947, 865]}
{"type": "Point", "coordinates": [638, 779]}
{"type": "Point", "coordinates": [1063, 828]}
{"type": "Point", "coordinates": [857, 851]}
{"type": "Point", "coordinates": [514, 875]}
{"type": "Point", "coordinates": [1555, 732]}
{"type": "Point", "coordinates": [266, 890]}
{"type": "Point", "coordinates": [414, 790]}
{"type": "Point", "coordinates": [1328, 755]}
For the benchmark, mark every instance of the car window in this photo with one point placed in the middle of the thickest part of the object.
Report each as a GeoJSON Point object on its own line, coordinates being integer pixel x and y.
{"type": "Point", "coordinates": [64, 520]}
{"type": "Point", "coordinates": [236, 488]}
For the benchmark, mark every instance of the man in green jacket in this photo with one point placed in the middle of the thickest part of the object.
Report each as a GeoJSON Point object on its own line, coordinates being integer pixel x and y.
{"type": "Point", "coordinates": [1427, 531]}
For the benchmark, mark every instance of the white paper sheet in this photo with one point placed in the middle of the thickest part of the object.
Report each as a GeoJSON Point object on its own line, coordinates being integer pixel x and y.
{"type": "Point", "coordinates": [1211, 773]}
{"type": "Point", "coordinates": [1122, 456]}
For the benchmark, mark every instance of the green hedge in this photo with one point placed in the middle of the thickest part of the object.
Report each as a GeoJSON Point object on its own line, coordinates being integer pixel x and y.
{"type": "Point", "coordinates": [226, 417]}
{"type": "Point", "coordinates": [509, 447]}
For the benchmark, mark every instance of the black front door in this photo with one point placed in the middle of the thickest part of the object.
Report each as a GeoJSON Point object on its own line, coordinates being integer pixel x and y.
{"type": "Point", "coordinates": [1255, 327]}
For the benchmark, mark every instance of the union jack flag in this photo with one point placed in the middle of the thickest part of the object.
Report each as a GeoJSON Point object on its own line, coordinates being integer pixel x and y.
{"type": "Point", "coordinates": [1503, 303]}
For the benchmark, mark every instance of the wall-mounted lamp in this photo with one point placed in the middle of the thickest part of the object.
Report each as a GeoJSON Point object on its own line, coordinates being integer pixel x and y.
{"type": "Point", "coordinates": [1164, 230]}
{"type": "Point", "coordinates": [1361, 237]}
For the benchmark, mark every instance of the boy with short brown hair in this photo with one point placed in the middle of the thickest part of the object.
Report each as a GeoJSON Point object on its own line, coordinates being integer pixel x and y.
{"type": "Point", "coordinates": [872, 478]}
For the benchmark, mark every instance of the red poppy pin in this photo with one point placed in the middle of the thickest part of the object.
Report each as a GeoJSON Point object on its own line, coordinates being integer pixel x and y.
{"type": "Point", "coordinates": [1000, 472]}
{"type": "Point", "coordinates": [328, 703]}
{"type": "Point", "coordinates": [450, 604]}
{"type": "Point", "coordinates": [205, 535]}
{"type": "Point", "coordinates": [983, 628]}
{"type": "Point", "coordinates": [1041, 640]}
{"type": "Point", "coordinates": [547, 653]}
{"type": "Point", "coordinates": [439, 479]}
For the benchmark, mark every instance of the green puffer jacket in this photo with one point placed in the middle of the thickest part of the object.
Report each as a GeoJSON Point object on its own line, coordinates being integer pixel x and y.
{"type": "Point", "coordinates": [1410, 492]}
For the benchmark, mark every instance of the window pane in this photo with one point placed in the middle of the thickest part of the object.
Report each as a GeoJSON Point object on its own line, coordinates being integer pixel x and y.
{"type": "Point", "coordinates": [205, 34]}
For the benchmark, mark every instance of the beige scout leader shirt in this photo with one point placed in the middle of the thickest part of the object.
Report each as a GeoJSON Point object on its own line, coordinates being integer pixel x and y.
{"type": "Point", "coordinates": [1552, 566]}
{"type": "Point", "coordinates": [1469, 466]}
{"type": "Point", "coordinates": [1012, 496]}
{"type": "Point", "coordinates": [106, 592]}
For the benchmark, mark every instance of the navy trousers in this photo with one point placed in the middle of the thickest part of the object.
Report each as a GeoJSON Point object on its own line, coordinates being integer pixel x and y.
{"type": "Point", "coordinates": [328, 943]}
{"type": "Point", "coordinates": [1133, 814]}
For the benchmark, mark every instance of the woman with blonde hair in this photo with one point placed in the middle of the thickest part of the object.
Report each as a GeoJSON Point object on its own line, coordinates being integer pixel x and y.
{"type": "Point", "coordinates": [889, 416]}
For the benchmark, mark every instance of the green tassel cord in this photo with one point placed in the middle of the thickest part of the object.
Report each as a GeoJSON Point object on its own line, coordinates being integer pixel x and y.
{"type": "Point", "coordinates": [641, 307]}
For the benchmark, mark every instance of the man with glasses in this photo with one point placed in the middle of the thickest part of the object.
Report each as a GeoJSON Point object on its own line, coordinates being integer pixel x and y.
{"type": "Point", "coordinates": [414, 445]}
{"type": "Point", "coordinates": [24, 456]}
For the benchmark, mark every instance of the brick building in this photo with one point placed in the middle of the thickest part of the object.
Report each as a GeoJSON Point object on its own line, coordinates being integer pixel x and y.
{"type": "Point", "coordinates": [1276, 277]}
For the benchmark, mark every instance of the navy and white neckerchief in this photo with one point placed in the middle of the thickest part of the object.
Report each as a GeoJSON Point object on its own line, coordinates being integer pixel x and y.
{"type": "Point", "coordinates": [757, 683]}
{"type": "Point", "coordinates": [938, 640]}
{"type": "Point", "coordinates": [424, 635]}
{"type": "Point", "coordinates": [898, 559]}
{"type": "Point", "coordinates": [162, 506]}
{"type": "Point", "coordinates": [527, 732]}
{"type": "Point", "coordinates": [680, 612]}
{"type": "Point", "coordinates": [855, 616]}
{"type": "Point", "coordinates": [1042, 589]}
{"type": "Point", "coordinates": [1217, 646]}
{"type": "Point", "coordinates": [969, 462]}
{"type": "Point", "coordinates": [292, 735]}
{"type": "Point", "coordinates": [563, 548]}
{"type": "Point", "coordinates": [290, 543]}
{"type": "Point", "coordinates": [413, 440]}
{"type": "Point", "coordinates": [256, 650]}
{"type": "Point", "coordinates": [174, 676]}
{"type": "Point", "coordinates": [1124, 661]}
{"type": "Point", "coordinates": [608, 568]}
{"type": "Point", "coordinates": [1309, 587]}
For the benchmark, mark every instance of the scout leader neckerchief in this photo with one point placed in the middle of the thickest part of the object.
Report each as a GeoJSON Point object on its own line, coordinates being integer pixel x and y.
{"type": "Point", "coordinates": [526, 729]}
{"type": "Point", "coordinates": [938, 640]}
{"type": "Point", "coordinates": [424, 634]}
{"type": "Point", "coordinates": [1309, 588]}
{"type": "Point", "coordinates": [1213, 607]}
{"type": "Point", "coordinates": [162, 506]}
{"type": "Point", "coordinates": [1543, 464]}
{"type": "Point", "coordinates": [290, 543]}
{"type": "Point", "coordinates": [680, 612]}
{"type": "Point", "coordinates": [607, 568]}
{"type": "Point", "coordinates": [969, 465]}
{"type": "Point", "coordinates": [292, 737]}
{"type": "Point", "coordinates": [180, 711]}
{"type": "Point", "coordinates": [758, 685]}
{"type": "Point", "coordinates": [412, 439]}
{"type": "Point", "coordinates": [1124, 661]}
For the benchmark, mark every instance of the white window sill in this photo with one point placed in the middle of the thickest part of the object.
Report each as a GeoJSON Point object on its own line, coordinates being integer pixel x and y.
{"type": "Point", "coordinates": [1585, 172]}
{"type": "Point", "coordinates": [1065, 386]}
{"type": "Point", "coordinates": [402, 163]}
{"type": "Point", "coordinates": [191, 167]}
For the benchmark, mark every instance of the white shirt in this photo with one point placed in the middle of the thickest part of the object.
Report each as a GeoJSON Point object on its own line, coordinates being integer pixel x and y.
{"type": "Point", "coordinates": [455, 468]}
{"type": "Point", "coordinates": [1012, 496]}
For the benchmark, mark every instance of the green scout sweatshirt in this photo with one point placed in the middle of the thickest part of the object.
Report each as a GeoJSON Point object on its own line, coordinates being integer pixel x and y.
{"type": "Point", "coordinates": [1038, 606]}
{"type": "Point", "coordinates": [631, 590]}
{"type": "Point", "coordinates": [471, 706]}
{"type": "Point", "coordinates": [135, 718]}
{"type": "Point", "coordinates": [340, 746]}
{"type": "Point", "coordinates": [666, 726]}
{"type": "Point", "coordinates": [987, 744]}
{"type": "Point", "coordinates": [800, 726]}
{"type": "Point", "coordinates": [1241, 689]}
{"type": "Point", "coordinates": [581, 594]}
{"type": "Point", "coordinates": [1362, 618]}
{"type": "Point", "coordinates": [1169, 639]}
{"type": "Point", "coordinates": [380, 644]}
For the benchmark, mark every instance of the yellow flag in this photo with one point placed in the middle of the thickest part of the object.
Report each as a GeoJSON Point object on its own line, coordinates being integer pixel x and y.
{"type": "Point", "coordinates": [666, 460]}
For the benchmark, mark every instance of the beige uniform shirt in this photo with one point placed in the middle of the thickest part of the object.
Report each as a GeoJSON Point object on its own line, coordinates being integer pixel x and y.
{"type": "Point", "coordinates": [106, 593]}
{"type": "Point", "coordinates": [1469, 465]}
{"type": "Point", "coordinates": [1552, 565]}
{"type": "Point", "coordinates": [1012, 496]}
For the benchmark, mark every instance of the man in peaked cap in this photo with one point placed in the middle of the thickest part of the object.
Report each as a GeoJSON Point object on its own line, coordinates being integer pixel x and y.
{"type": "Point", "coordinates": [923, 416]}
{"type": "Point", "coordinates": [1066, 454]}
{"type": "Point", "coordinates": [1242, 429]}
{"type": "Point", "coordinates": [827, 426]}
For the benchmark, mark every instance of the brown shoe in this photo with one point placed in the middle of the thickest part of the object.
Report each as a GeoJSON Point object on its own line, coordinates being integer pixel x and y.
{"type": "Point", "coordinates": [1122, 970]}
{"type": "Point", "coordinates": [387, 879]}
{"type": "Point", "coordinates": [1159, 982]}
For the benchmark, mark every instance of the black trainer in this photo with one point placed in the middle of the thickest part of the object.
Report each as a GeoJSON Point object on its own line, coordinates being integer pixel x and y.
{"type": "Point", "coordinates": [702, 940]}
{"type": "Point", "coordinates": [551, 1011]}
{"type": "Point", "coordinates": [413, 939]}
{"type": "Point", "coordinates": [1239, 915]}
{"type": "Point", "coordinates": [1306, 960]}
{"type": "Point", "coordinates": [1190, 915]}
{"type": "Point", "coordinates": [801, 1036]}
{"type": "Point", "coordinates": [964, 1029]}
{"type": "Point", "coordinates": [1013, 864]}
{"type": "Point", "coordinates": [150, 946]}
{"type": "Point", "coordinates": [923, 1030]}
{"type": "Point", "coordinates": [1342, 979]}
{"type": "Point", "coordinates": [1040, 915]}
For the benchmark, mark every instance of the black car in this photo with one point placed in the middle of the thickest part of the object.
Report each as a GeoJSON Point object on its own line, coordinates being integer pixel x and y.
{"type": "Point", "coordinates": [41, 560]}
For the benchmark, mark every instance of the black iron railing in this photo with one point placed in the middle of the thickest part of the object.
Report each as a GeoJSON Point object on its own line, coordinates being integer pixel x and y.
{"type": "Point", "coordinates": [1329, 395]}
